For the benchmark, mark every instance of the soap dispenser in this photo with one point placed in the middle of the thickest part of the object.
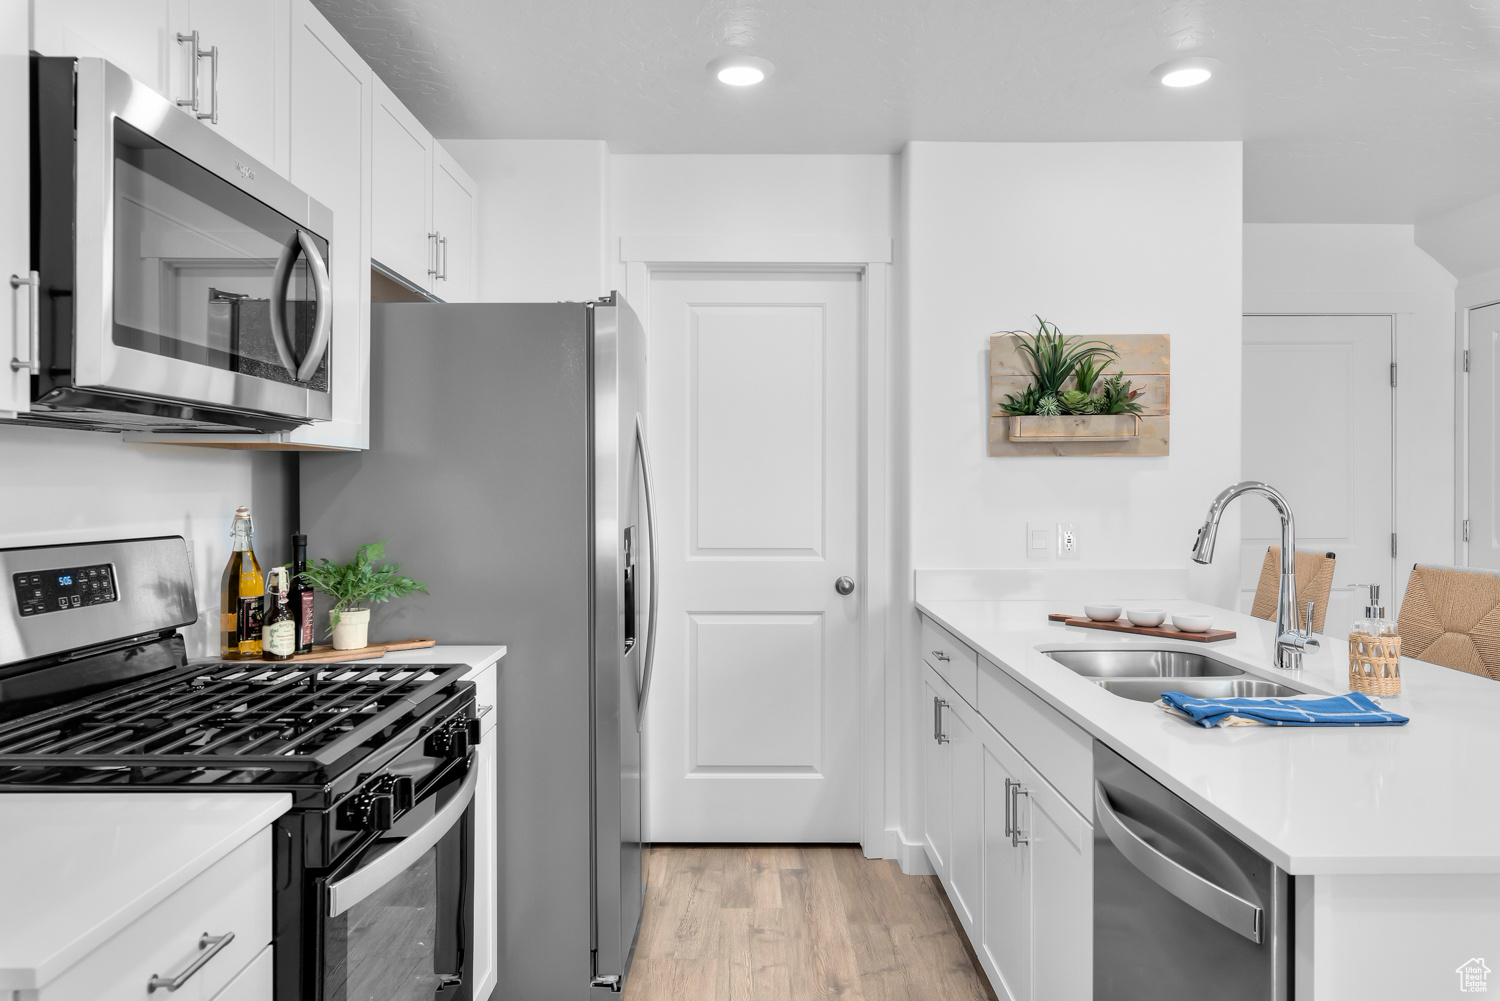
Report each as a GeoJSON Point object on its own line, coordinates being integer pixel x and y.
{"type": "Point", "coordinates": [1374, 650]}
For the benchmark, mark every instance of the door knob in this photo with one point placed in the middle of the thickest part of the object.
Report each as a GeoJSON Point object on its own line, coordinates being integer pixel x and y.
{"type": "Point", "coordinates": [844, 585]}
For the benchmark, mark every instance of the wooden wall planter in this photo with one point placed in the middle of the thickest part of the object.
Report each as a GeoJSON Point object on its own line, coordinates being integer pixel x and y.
{"type": "Point", "coordinates": [1146, 360]}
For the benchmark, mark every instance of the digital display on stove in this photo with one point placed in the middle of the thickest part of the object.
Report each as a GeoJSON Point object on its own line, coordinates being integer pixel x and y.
{"type": "Point", "coordinates": [41, 591]}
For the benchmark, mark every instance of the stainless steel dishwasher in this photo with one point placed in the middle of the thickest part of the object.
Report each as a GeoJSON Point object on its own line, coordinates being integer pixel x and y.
{"type": "Point", "coordinates": [1182, 909]}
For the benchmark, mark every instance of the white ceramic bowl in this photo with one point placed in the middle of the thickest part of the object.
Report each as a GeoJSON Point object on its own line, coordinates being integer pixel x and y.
{"type": "Point", "coordinates": [1146, 616]}
{"type": "Point", "coordinates": [1193, 623]}
{"type": "Point", "coordinates": [1102, 613]}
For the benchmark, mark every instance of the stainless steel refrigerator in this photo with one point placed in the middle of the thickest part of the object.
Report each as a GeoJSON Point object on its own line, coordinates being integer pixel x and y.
{"type": "Point", "coordinates": [508, 470]}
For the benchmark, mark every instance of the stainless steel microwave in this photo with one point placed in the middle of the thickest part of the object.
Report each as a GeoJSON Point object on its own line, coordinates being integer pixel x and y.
{"type": "Point", "coordinates": [183, 284]}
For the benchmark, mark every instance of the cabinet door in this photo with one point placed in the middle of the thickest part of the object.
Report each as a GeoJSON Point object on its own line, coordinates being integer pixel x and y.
{"type": "Point", "coordinates": [965, 799]}
{"type": "Point", "coordinates": [453, 208]}
{"type": "Point", "coordinates": [486, 848]}
{"type": "Point", "coordinates": [139, 36]}
{"type": "Point", "coordinates": [401, 178]}
{"type": "Point", "coordinates": [252, 39]}
{"type": "Point", "coordinates": [1007, 930]}
{"type": "Point", "coordinates": [330, 157]}
{"type": "Point", "coordinates": [15, 211]}
{"type": "Point", "coordinates": [937, 772]}
{"type": "Point", "coordinates": [1061, 846]}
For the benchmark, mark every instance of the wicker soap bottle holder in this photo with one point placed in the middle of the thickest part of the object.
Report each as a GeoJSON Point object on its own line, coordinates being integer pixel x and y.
{"type": "Point", "coordinates": [1375, 651]}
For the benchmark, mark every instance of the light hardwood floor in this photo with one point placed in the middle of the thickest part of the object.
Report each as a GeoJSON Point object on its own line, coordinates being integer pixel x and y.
{"type": "Point", "coordinates": [796, 923]}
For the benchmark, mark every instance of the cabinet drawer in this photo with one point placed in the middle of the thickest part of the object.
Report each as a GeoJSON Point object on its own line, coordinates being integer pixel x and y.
{"type": "Point", "coordinates": [1061, 751]}
{"type": "Point", "coordinates": [255, 982]}
{"type": "Point", "coordinates": [234, 895]}
{"type": "Point", "coordinates": [953, 660]}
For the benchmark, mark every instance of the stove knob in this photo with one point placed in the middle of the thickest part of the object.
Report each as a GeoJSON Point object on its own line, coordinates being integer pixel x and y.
{"type": "Point", "coordinates": [439, 743]}
{"type": "Point", "coordinates": [473, 728]}
{"type": "Point", "coordinates": [380, 815]}
{"type": "Point", "coordinates": [403, 792]}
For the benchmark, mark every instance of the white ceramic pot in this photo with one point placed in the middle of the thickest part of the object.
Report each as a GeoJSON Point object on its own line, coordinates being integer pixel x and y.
{"type": "Point", "coordinates": [353, 630]}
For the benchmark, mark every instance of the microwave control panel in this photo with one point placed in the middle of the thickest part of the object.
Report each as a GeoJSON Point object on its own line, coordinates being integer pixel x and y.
{"type": "Point", "coordinates": [42, 591]}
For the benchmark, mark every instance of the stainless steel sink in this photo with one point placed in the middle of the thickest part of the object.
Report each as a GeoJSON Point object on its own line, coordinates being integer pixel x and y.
{"type": "Point", "coordinates": [1142, 664]}
{"type": "Point", "coordinates": [1150, 689]}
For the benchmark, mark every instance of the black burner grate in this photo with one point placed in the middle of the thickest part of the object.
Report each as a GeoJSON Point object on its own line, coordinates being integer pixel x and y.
{"type": "Point", "coordinates": [219, 723]}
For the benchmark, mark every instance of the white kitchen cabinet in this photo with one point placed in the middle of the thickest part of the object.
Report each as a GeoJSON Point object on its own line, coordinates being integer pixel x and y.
{"type": "Point", "coordinates": [454, 207]}
{"type": "Point", "coordinates": [255, 982]}
{"type": "Point", "coordinates": [15, 213]}
{"type": "Point", "coordinates": [965, 854]}
{"type": "Point", "coordinates": [937, 771]}
{"type": "Point", "coordinates": [332, 96]}
{"type": "Point", "coordinates": [402, 238]}
{"type": "Point", "coordinates": [139, 36]}
{"type": "Point", "coordinates": [486, 837]}
{"type": "Point", "coordinates": [253, 93]}
{"type": "Point", "coordinates": [1005, 943]}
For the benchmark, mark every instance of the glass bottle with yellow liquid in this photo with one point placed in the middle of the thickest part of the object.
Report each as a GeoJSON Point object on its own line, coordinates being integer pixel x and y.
{"type": "Point", "coordinates": [242, 597]}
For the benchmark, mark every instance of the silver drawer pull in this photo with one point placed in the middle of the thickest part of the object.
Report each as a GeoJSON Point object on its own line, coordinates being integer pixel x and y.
{"type": "Point", "coordinates": [211, 946]}
{"type": "Point", "coordinates": [483, 711]}
{"type": "Point", "coordinates": [941, 656]}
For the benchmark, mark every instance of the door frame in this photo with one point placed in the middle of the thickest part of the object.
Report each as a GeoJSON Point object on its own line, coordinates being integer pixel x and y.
{"type": "Point", "coordinates": [870, 259]}
{"type": "Point", "coordinates": [1473, 293]}
{"type": "Point", "coordinates": [1398, 580]}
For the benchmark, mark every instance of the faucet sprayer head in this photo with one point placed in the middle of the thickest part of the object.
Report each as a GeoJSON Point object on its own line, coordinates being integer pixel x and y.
{"type": "Point", "coordinates": [1203, 546]}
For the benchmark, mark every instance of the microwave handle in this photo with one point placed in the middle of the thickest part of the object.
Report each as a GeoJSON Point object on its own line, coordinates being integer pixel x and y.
{"type": "Point", "coordinates": [322, 305]}
{"type": "Point", "coordinates": [359, 884]}
{"type": "Point", "coordinates": [279, 282]}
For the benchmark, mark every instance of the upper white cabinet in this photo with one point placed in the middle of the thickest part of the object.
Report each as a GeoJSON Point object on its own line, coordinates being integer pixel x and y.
{"type": "Point", "coordinates": [454, 204]}
{"type": "Point", "coordinates": [422, 216]}
{"type": "Point", "coordinates": [15, 216]}
{"type": "Point", "coordinates": [139, 36]}
{"type": "Point", "coordinates": [332, 98]}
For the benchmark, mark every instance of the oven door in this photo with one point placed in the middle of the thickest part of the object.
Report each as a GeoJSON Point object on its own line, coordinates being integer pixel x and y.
{"type": "Point", "coordinates": [201, 275]}
{"type": "Point", "coordinates": [394, 918]}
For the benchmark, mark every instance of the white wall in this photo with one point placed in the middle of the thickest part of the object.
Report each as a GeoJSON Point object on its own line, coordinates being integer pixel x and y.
{"type": "Point", "coordinates": [61, 486]}
{"type": "Point", "coordinates": [542, 217]}
{"type": "Point", "coordinates": [1466, 241]}
{"type": "Point", "coordinates": [1378, 268]}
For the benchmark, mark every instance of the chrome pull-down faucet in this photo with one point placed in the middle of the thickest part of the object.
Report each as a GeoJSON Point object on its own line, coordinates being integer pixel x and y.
{"type": "Point", "coordinates": [1290, 641]}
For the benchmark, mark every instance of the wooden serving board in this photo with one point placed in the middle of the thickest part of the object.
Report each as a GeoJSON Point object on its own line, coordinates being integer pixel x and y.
{"type": "Point", "coordinates": [324, 653]}
{"type": "Point", "coordinates": [1166, 630]}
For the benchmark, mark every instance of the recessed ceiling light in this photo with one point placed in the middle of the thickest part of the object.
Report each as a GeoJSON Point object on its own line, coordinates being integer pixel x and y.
{"type": "Point", "coordinates": [741, 71]}
{"type": "Point", "coordinates": [1186, 72]}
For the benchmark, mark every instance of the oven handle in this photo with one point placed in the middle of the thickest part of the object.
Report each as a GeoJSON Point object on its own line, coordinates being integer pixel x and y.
{"type": "Point", "coordinates": [362, 882]}
{"type": "Point", "coordinates": [322, 307]}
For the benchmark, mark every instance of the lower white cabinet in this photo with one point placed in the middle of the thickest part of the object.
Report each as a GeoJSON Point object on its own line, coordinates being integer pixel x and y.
{"type": "Point", "coordinates": [15, 215]}
{"type": "Point", "coordinates": [1015, 857]}
{"type": "Point", "coordinates": [486, 915]}
{"type": "Point", "coordinates": [256, 982]}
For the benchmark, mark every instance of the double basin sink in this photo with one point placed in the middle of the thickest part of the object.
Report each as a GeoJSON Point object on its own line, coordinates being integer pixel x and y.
{"type": "Point", "coordinates": [1142, 675]}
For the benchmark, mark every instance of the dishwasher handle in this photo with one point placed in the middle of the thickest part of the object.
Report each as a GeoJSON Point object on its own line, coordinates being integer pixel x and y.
{"type": "Point", "coordinates": [1228, 909]}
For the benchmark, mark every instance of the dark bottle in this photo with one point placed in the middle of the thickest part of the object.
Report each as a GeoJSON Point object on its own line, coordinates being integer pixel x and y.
{"type": "Point", "coordinates": [300, 598]}
{"type": "Point", "coordinates": [279, 629]}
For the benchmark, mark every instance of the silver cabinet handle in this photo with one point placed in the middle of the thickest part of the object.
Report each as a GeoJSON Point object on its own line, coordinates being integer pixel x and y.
{"type": "Point", "coordinates": [442, 274]}
{"type": "Point", "coordinates": [209, 946]}
{"type": "Point", "coordinates": [432, 255]}
{"type": "Point", "coordinates": [32, 364]}
{"type": "Point", "coordinates": [1012, 791]}
{"type": "Point", "coordinates": [195, 102]}
{"type": "Point", "coordinates": [1010, 801]}
{"type": "Point", "coordinates": [1230, 910]}
{"type": "Point", "coordinates": [649, 654]}
{"type": "Point", "coordinates": [937, 720]}
{"type": "Point", "coordinates": [939, 655]}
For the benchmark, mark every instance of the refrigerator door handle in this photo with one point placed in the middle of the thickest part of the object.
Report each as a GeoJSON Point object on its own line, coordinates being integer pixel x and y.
{"type": "Point", "coordinates": [648, 655]}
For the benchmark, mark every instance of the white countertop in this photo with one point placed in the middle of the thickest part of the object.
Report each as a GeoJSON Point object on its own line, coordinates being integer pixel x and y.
{"type": "Point", "coordinates": [76, 868]}
{"type": "Point", "coordinates": [1419, 798]}
{"type": "Point", "coordinates": [80, 867]}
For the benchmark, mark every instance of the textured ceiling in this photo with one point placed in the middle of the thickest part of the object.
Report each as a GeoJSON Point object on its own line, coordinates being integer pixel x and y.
{"type": "Point", "coordinates": [1351, 110]}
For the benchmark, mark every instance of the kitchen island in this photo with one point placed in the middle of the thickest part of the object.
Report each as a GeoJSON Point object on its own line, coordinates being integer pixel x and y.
{"type": "Point", "coordinates": [1392, 834]}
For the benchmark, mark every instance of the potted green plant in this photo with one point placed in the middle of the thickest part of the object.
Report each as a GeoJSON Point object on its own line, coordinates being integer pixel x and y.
{"type": "Point", "coordinates": [1069, 399]}
{"type": "Point", "coordinates": [368, 579]}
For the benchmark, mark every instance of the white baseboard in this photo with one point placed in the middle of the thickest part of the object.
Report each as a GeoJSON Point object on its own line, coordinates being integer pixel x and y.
{"type": "Point", "coordinates": [913, 859]}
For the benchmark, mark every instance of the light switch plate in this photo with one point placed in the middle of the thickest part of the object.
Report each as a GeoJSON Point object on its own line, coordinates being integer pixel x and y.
{"type": "Point", "coordinates": [1067, 540]}
{"type": "Point", "coordinates": [1038, 540]}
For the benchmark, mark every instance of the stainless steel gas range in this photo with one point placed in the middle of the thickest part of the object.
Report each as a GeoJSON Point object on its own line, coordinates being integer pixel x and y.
{"type": "Point", "coordinates": [96, 694]}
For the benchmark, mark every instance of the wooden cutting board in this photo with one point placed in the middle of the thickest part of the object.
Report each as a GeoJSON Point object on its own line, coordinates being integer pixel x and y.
{"type": "Point", "coordinates": [324, 653]}
{"type": "Point", "coordinates": [1166, 630]}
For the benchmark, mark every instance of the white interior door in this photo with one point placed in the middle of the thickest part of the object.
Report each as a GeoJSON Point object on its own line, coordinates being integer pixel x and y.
{"type": "Point", "coordinates": [1317, 425]}
{"type": "Point", "coordinates": [1484, 437]}
{"type": "Point", "coordinates": [753, 725]}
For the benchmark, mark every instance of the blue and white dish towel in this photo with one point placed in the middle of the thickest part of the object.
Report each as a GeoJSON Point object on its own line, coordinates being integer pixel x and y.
{"type": "Point", "coordinates": [1353, 709]}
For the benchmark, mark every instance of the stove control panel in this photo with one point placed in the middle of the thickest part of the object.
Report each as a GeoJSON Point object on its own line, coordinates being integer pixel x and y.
{"type": "Point", "coordinates": [41, 591]}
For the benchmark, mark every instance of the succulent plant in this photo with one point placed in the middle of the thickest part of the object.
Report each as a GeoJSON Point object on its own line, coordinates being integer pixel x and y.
{"type": "Point", "coordinates": [1020, 406]}
{"type": "Point", "coordinates": [1048, 406]}
{"type": "Point", "coordinates": [1053, 357]}
{"type": "Point", "coordinates": [1076, 401]}
{"type": "Point", "coordinates": [1117, 396]}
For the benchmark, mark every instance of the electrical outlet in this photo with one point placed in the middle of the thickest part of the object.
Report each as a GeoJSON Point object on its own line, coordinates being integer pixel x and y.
{"type": "Point", "coordinates": [1067, 540]}
{"type": "Point", "coordinates": [1038, 540]}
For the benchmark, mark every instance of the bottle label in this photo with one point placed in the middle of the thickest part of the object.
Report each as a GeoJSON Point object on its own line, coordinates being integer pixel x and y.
{"type": "Point", "coordinates": [251, 614]}
{"type": "Point", "coordinates": [305, 619]}
{"type": "Point", "coordinates": [280, 638]}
